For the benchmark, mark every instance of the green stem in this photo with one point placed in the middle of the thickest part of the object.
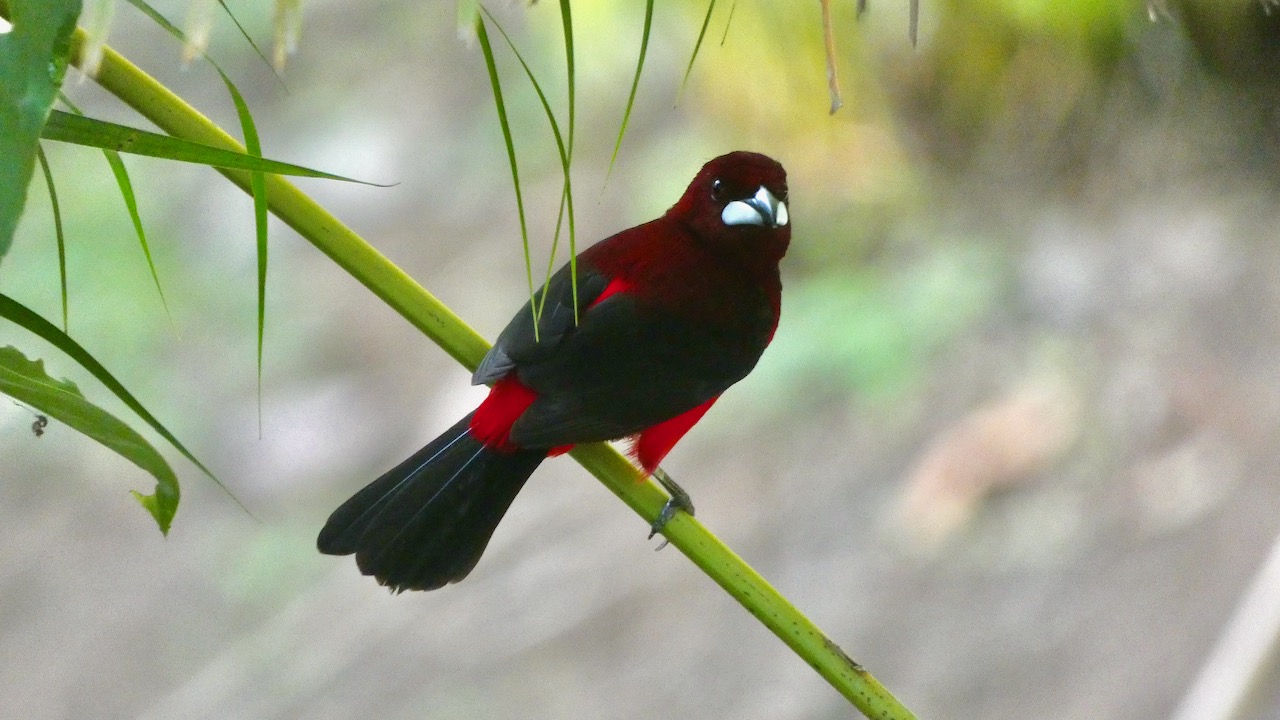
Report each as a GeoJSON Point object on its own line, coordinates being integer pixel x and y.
{"type": "Point", "coordinates": [429, 315]}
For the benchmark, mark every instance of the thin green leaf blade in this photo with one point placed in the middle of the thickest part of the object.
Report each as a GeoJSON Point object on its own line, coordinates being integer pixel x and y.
{"type": "Point", "coordinates": [131, 204]}
{"type": "Point", "coordinates": [482, 36]}
{"type": "Point", "coordinates": [33, 60]}
{"type": "Point", "coordinates": [125, 185]}
{"type": "Point", "coordinates": [537, 88]}
{"type": "Point", "coordinates": [67, 127]}
{"type": "Point", "coordinates": [566, 21]}
{"type": "Point", "coordinates": [161, 20]}
{"type": "Point", "coordinates": [566, 16]}
{"type": "Point", "coordinates": [728, 23]}
{"type": "Point", "coordinates": [555, 244]}
{"type": "Point", "coordinates": [253, 147]}
{"type": "Point", "coordinates": [711, 6]}
{"type": "Point", "coordinates": [566, 194]}
{"type": "Point", "coordinates": [57, 231]}
{"type": "Point", "coordinates": [249, 39]}
{"type": "Point", "coordinates": [258, 188]}
{"type": "Point", "coordinates": [26, 380]}
{"type": "Point", "coordinates": [635, 85]}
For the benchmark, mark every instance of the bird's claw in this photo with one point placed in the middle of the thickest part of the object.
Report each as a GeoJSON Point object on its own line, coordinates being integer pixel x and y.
{"type": "Point", "coordinates": [680, 500]}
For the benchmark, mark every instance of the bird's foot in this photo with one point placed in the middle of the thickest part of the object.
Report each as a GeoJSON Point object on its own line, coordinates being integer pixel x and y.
{"type": "Point", "coordinates": [680, 500]}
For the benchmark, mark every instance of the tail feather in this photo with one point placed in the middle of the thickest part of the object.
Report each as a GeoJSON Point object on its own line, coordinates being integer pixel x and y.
{"type": "Point", "coordinates": [426, 522]}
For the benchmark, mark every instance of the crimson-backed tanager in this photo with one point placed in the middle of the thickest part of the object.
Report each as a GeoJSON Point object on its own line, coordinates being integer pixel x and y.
{"type": "Point", "coordinates": [669, 314]}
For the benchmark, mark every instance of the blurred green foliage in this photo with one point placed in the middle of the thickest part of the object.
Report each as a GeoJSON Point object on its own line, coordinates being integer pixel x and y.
{"type": "Point", "coordinates": [872, 332]}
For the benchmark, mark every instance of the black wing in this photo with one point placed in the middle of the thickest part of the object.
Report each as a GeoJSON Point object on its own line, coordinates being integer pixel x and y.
{"type": "Point", "coordinates": [518, 345]}
{"type": "Point", "coordinates": [628, 365]}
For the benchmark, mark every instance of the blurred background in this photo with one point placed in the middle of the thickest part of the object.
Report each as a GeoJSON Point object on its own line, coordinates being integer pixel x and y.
{"type": "Point", "coordinates": [1012, 448]}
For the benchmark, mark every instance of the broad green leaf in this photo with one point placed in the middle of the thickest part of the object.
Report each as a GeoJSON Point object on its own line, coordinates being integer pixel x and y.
{"type": "Point", "coordinates": [33, 60]}
{"type": "Point", "coordinates": [23, 316]}
{"type": "Point", "coordinates": [66, 127]}
{"type": "Point", "coordinates": [25, 380]}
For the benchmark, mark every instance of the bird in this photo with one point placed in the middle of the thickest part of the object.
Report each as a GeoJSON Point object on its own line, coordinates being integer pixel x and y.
{"type": "Point", "coordinates": [655, 324]}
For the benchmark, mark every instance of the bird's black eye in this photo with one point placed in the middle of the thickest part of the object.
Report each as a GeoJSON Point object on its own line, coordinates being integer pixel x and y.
{"type": "Point", "coordinates": [717, 189]}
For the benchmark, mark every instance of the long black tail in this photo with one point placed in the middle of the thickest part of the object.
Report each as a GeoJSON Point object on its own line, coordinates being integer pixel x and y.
{"type": "Point", "coordinates": [426, 522]}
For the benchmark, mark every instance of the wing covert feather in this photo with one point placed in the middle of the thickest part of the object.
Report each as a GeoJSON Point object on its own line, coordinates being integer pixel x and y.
{"type": "Point", "coordinates": [517, 343]}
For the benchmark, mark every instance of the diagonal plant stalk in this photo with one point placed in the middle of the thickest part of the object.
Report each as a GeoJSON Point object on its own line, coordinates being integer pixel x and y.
{"type": "Point", "coordinates": [433, 318]}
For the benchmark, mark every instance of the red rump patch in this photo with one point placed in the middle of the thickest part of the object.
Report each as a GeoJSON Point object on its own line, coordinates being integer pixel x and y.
{"type": "Point", "coordinates": [653, 444]}
{"type": "Point", "coordinates": [507, 401]}
{"type": "Point", "coordinates": [614, 287]}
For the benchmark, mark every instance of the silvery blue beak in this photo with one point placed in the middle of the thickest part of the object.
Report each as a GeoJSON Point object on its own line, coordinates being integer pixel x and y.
{"type": "Point", "coordinates": [761, 209]}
